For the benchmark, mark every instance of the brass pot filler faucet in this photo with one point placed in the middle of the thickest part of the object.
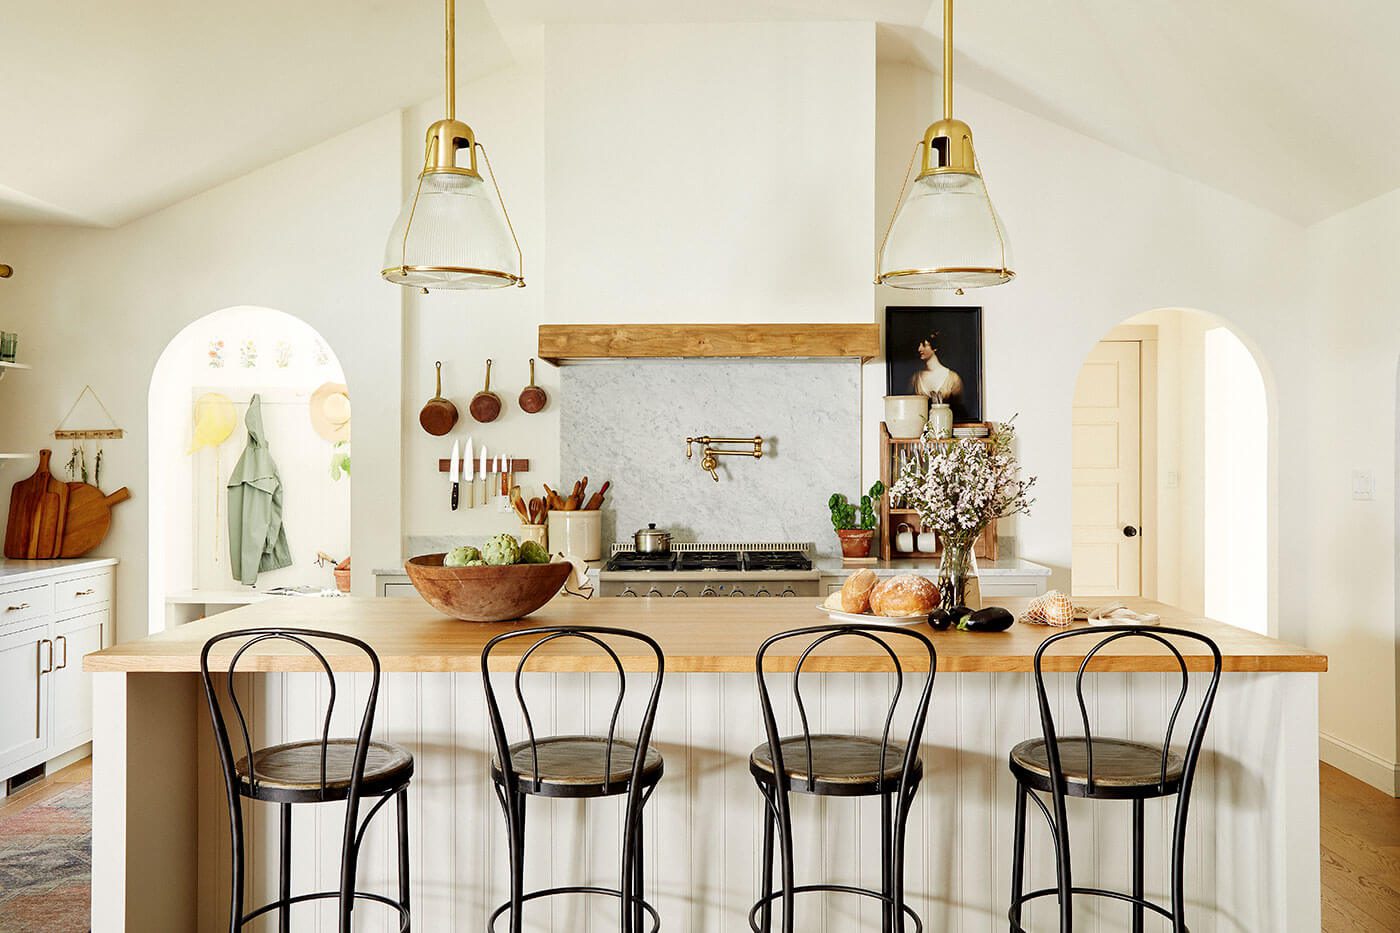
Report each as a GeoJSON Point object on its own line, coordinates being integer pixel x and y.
{"type": "Point", "coordinates": [709, 455]}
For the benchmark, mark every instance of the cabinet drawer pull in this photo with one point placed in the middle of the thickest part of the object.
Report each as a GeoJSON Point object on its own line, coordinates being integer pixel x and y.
{"type": "Point", "coordinates": [17, 608]}
{"type": "Point", "coordinates": [42, 668]}
{"type": "Point", "coordinates": [64, 639]}
{"type": "Point", "coordinates": [84, 592]}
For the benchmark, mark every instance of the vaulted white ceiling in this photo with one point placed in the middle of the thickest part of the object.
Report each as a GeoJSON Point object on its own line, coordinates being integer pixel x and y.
{"type": "Point", "coordinates": [111, 110]}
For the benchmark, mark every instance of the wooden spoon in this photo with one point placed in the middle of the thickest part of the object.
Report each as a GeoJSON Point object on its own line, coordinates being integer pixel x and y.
{"type": "Point", "coordinates": [486, 405]}
{"type": "Point", "coordinates": [439, 415]}
{"type": "Point", "coordinates": [532, 397]}
{"type": "Point", "coordinates": [537, 511]}
{"type": "Point", "coordinates": [518, 504]}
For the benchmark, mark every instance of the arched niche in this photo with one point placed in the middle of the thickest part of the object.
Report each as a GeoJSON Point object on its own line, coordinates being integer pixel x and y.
{"type": "Point", "coordinates": [237, 352]}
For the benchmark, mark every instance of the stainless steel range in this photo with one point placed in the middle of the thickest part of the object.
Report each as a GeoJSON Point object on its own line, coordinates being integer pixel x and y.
{"type": "Point", "coordinates": [704, 569]}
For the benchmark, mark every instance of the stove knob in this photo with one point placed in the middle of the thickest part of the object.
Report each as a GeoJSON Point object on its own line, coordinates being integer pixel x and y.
{"type": "Point", "coordinates": [736, 592]}
{"type": "Point", "coordinates": [653, 592]}
{"type": "Point", "coordinates": [708, 591]}
{"type": "Point", "coordinates": [627, 592]}
{"type": "Point", "coordinates": [763, 591]}
{"type": "Point", "coordinates": [787, 592]}
{"type": "Point", "coordinates": [680, 592]}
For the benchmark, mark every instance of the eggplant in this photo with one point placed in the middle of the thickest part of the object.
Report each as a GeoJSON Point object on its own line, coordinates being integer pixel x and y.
{"type": "Point", "coordinates": [991, 619]}
{"type": "Point", "coordinates": [940, 619]}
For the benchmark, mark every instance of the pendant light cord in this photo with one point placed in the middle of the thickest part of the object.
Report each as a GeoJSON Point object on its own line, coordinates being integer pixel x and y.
{"type": "Point", "coordinates": [451, 59]}
{"type": "Point", "coordinates": [947, 59]}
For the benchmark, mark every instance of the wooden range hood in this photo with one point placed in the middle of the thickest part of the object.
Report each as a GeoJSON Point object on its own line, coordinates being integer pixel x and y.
{"type": "Point", "coordinates": [561, 343]}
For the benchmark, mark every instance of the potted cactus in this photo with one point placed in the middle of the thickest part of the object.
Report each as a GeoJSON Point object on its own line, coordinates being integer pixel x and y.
{"type": "Point", "coordinates": [856, 530]}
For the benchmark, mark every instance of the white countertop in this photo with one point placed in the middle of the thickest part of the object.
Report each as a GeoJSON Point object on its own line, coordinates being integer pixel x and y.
{"type": "Point", "coordinates": [242, 597]}
{"type": "Point", "coordinates": [21, 571]}
{"type": "Point", "coordinates": [836, 567]}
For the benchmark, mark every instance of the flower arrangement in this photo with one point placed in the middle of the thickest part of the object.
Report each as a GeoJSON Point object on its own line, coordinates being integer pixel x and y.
{"type": "Point", "coordinates": [959, 488]}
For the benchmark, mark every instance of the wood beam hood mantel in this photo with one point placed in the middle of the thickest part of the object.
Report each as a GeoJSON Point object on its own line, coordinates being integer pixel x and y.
{"type": "Point", "coordinates": [560, 343]}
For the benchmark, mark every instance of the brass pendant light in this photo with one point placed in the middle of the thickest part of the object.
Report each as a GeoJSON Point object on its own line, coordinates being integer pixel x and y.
{"type": "Point", "coordinates": [945, 234]}
{"type": "Point", "coordinates": [452, 233]}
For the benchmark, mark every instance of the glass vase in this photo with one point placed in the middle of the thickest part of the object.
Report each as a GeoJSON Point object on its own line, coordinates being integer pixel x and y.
{"type": "Point", "coordinates": [957, 573]}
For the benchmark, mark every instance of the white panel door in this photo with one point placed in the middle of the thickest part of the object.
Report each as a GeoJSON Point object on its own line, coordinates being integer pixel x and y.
{"type": "Point", "coordinates": [1107, 473]}
{"type": "Point", "coordinates": [25, 658]}
{"type": "Point", "coordinates": [71, 686]}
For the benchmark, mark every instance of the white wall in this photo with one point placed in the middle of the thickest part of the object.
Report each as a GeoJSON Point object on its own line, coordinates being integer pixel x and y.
{"type": "Point", "coordinates": [1352, 336]}
{"type": "Point", "coordinates": [98, 306]}
{"type": "Point", "coordinates": [668, 173]}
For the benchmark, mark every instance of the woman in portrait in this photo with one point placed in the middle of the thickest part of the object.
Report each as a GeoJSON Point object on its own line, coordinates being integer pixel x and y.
{"type": "Point", "coordinates": [933, 378]}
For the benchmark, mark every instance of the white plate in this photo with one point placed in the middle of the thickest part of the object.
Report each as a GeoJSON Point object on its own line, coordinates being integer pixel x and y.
{"type": "Point", "coordinates": [838, 615]}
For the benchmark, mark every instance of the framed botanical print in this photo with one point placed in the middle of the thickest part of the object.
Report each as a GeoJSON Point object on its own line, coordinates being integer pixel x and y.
{"type": "Point", "coordinates": [936, 352]}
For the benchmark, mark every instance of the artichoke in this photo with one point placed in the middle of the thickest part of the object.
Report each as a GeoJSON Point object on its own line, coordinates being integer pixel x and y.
{"type": "Point", "coordinates": [475, 563]}
{"type": "Point", "coordinates": [532, 552]}
{"type": "Point", "coordinates": [461, 556]}
{"type": "Point", "coordinates": [501, 549]}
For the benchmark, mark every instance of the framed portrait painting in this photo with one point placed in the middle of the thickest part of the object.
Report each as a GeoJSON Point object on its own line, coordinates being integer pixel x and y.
{"type": "Point", "coordinates": [936, 352]}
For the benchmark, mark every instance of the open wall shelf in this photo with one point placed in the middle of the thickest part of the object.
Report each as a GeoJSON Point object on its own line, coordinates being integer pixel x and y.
{"type": "Point", "coordinates": [559, 343]}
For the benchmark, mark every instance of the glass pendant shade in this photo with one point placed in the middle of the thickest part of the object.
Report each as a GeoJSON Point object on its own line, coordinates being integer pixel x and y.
{"type": "Point", "coordinates": [946, 234]}
{"type": "Point", "coordinates": [451, 233]}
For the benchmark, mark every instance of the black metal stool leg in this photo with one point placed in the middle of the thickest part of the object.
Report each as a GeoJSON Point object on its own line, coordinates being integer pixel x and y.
{"type": "Point", "coordinates": [1018, 858]}
{"type": "Point", "coordinates": [1063, 871]}
{"type": "Point", "coordinates": [284, 881]}
{"type": "Point", "coordinates": [1138, 845]}
{"type": "Point", "coordinates": [900, 835]}
{"type": "Point", "coordinates": [765, 913]}
{"type": "Point", "coordinates": [517, 863]}
{"type": "Point", "coordinates": [785, 844]}
{"type": "Point", "coordinates": [1179, 862]}
{"type": "Point", "coordinates": [236, 885]}
{"type": "Point", "coordinates": [886, 863]}
{"type": "Point", "coordinates": [403, 850]}
{"type": "Point", "coordinates": [638, 877]}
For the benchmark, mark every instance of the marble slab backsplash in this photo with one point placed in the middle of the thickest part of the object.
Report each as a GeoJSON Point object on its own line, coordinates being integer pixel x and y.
{"type": "Point", "coordinates": [627, 422]}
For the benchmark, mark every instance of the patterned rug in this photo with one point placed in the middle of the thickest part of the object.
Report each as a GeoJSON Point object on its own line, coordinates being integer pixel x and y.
{"type": "Point", "coordinates": [46, 865]}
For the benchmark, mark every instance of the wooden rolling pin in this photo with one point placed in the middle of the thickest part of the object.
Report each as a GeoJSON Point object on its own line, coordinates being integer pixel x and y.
{"type": "Point", "coordinates": [595, 501]}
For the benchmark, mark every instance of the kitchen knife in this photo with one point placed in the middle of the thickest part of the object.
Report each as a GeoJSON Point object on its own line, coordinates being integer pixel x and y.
{"type": "Point", "coordinates": [467, 475]}
{"type": "Point", "coordinates": [485, 462]}
{"type": "Point", "coordinates": [455, 472]}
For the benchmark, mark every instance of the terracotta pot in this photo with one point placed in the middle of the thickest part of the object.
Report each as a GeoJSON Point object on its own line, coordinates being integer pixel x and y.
{"type": "Point", "coordinates": [486, 594]}
{"type": "Point", "coordinates": [855, 542]}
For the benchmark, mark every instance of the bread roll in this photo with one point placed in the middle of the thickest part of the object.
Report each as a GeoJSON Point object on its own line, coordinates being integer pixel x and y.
{"type": "Point", "coordinates": [855, 594]}
{"type": "Point", "coordinates": [904, 595]}
{"type": "Point", "coordinates": [834, 601]}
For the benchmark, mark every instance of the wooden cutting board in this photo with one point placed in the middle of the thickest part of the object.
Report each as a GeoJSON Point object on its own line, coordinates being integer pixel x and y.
{"type": "Point", "coordinates": [89, 518]}
{"type": "Point", "coordinates": [46, 538]}
{"type": "Point", "coordinates": [26, 499]}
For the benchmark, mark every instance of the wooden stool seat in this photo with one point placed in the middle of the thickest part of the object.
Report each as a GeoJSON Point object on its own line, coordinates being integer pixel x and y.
{"type": "Point", "coordinates": [1121, 767]}
{"type": "Point", "coordinates": [292, 772]}
{"type": "Point", "coordinates": [842, 765]}
{"type": "Point", "coordinates": [572, 766]}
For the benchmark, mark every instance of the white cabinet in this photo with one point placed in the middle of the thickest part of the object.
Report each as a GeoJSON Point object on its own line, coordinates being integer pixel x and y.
{"type": "Point", "coordinates": [25, 656]}
{"type": "Point", "coordinates": [50, 617]}
{"type": "Point", "coordinates": [70, 689]}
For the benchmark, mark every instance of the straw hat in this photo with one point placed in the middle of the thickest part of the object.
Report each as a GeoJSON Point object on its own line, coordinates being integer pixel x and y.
{"type": "Point", "coordinates": [214, 421]}
{"type": "Point", "coordinates": [330, 411]}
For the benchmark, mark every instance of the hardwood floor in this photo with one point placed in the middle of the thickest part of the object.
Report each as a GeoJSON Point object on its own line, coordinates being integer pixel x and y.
{"type": "Point", "coordinates": [1360, 847]}
{"type": "Point", "coordinates": [1360, 856]}
{"type": "Point", "coordinates": [46, 787]}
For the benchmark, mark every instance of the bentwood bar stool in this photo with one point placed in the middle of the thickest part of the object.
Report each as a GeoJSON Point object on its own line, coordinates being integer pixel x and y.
{"type": "Point", "coordinates": [839, 766]}
{"type": "Point", "coordinates": [315, 771]}
{"type": "Point", "coordinates": [1103, 768]}
{"type": "Point", "coordinates": [578, 766]}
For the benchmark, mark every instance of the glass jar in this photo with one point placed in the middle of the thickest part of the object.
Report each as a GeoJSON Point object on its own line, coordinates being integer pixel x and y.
{"type": "Point", "coordinates": [957, 572]}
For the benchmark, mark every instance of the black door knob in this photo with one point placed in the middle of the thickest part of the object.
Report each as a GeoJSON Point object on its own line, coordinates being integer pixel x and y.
{"type": "Point", "coordinates": [1130, 531]}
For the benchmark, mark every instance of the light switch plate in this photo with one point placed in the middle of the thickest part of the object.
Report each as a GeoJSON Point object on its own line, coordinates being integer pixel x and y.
{"type": "Point", "coordinates": [1173, 479]}
{"type": "Point", "coordinates": [1363, 485]}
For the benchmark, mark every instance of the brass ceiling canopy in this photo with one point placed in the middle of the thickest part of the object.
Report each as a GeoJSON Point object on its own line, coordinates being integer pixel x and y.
{"type": "Point", "coordinates": [452, 233]}
{"type": "Point", "coordinates": [6, 271]}
{"type": "Point", "coordinates": [945, 234]}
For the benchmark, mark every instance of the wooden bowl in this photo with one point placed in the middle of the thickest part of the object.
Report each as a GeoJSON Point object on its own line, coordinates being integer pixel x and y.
{"type": "Point", "coordinates": [486, 594]}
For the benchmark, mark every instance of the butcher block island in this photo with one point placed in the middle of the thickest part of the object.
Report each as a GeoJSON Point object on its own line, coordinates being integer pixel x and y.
{"type": "Point", "coordinates": [161, 845]}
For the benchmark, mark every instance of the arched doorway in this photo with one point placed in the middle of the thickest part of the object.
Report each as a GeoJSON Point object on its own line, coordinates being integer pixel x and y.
{"type": "Point", "coordinates": [1171, 468]}
{"type": "Point", "coordinates": [233, 354]}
